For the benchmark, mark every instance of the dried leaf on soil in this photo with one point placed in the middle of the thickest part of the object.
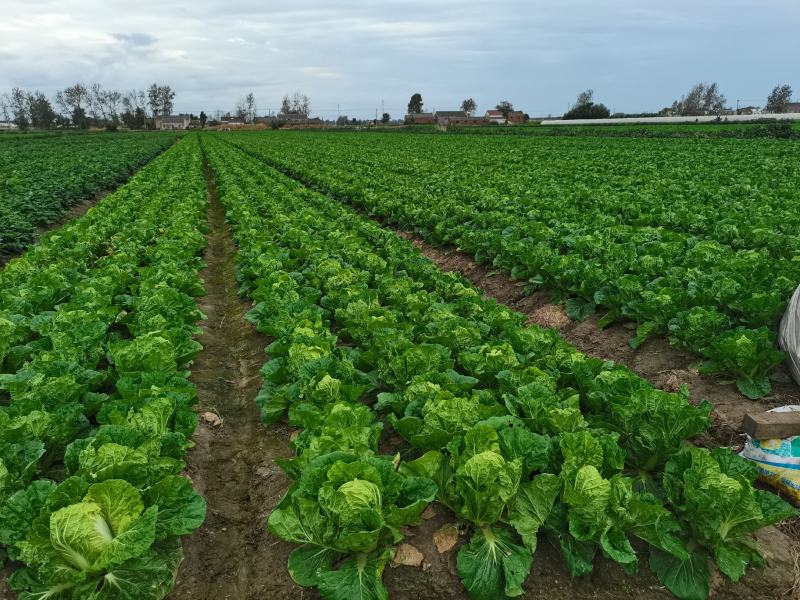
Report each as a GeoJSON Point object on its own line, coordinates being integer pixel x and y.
{"type": "Point", "coordinates": [211, 418]}
{"type": "Point", "coordinates": [408, 555]}
{"type": "Point", "coordinates": [445, 538]}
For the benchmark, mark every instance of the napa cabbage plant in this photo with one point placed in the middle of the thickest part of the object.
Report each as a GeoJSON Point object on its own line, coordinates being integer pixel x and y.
{"type": "Point", "coordinates": [99, 540]}
{"type": "Point", "coordinates": [712, 494]}
{"type": "Point", "coordinates": [346, 512]}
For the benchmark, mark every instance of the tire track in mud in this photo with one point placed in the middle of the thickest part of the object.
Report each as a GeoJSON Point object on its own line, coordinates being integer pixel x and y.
{"type": "Point", "coordinates": [232, 464]}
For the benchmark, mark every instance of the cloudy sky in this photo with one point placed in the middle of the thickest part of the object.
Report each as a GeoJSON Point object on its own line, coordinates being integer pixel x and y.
{"type": "Point", "coordinates": [638, 55]}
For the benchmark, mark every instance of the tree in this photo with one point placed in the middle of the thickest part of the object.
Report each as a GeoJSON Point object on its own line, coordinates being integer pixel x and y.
{"type": "Point", "coordinates": [468, 106]}
{"type": "Point", "coordinates": [135, 119]}
{"type": "Point", "coordinates": [134, 105]}
{"type": "Point", "coordinates": [585, 98]}
{"type": "Point", "coordinates": [96, 102]}
{"type": "Point", "coordinates": [297, 104]}
{"type": "Point", "coordinates": [112, 102]}
{"type": "Point", "coordinates": [19, 107]}
{"type": "Point", "coordinates": [702, 99]}
{"type": "Point", "coordinates": [5, 108]}
{"type": "Point", "coordinates": [585, 108]}
{"type": "Point", "coordinates": [779, 98]}
{"type": "Point", "coordinates": [167, 99]}
{"type": "Point", "coordinates": [415, 104]}
{"type": "Point", "coordinates": [154, 99]}
{"type": "Point", "coordinates": [160, 98]}
{"type": "Point", "coordinates": [203, 119]}
{"type": "Point", "coordinates": [250, 104]}
{"type": "Point", "coordinates": [72, 98]}
{"type": "Point", "coordinates": [41, 111]}
{"type": "Point", "coordinates": [241, 111]}
{"type": "Point", "coordinates": [301, 104]}
{"type": "Point", "coordinates": [505, 107]}
{"type": "Point", "coordinates": [79, 118]}
{"type": "Point", "coordinates": [385, 118]}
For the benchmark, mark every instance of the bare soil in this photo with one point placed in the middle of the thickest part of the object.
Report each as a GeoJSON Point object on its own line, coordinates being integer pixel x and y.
{"type": "Point", "coordinates": [232, 556]}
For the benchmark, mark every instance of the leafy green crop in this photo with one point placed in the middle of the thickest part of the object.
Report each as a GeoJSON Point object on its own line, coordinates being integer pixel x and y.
{"type": "Point", "coordinates": [42, 177]}
{"type": "Point", "coordinates": [95, 406]}
{"type": "Point", "coordinates": [694, 239]}
{"type": "Point", "coordinates": [516, 432]}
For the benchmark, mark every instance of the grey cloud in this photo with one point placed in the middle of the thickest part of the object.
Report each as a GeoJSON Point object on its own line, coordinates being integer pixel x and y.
{"type": "Point", "coordinates": [135, 39]}
{"type": "Point", "coordinates": [354, 53]}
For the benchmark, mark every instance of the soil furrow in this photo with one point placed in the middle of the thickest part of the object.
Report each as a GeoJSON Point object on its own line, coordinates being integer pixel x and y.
{"type": "Point", "coordinates": [232, 465]}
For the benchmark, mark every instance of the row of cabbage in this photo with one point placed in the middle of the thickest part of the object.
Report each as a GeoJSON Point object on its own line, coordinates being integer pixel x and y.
{"type": "Point", "coordinates": [516, 432]}
{"type": "Point", "coordinates": [42, 177]}
{"type": "Point", "coordinates": [96, 327]}
{"type": "Point", "coordinates": [693, 239]}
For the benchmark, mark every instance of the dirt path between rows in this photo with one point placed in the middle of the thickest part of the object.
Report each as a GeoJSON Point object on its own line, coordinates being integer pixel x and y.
{"type": "Point", "coordinates": [232, 465]}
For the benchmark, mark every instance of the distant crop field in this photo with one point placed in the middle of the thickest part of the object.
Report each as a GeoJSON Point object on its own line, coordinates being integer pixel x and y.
{"type": "Point", "coordinates": [43, 175]}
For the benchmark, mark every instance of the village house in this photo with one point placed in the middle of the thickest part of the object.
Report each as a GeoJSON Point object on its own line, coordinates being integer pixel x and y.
{"type": "Point", "coordinates": [299, 121]}
{"type": "Point", "coordinates": [8, 125]}
{"type": "Point", "coordinates": [468, 120]}
{"type": "Point", "coordinates": [457, 117]}
{"type": "Point", "coordinates": [496, 116]}
{"type": "Point", "coordinates": [229, 120]}
{"type": "Point", "coordinates": [446, 117]}
{"type": "Point", "coordinates": [792, 107]}
{"type": "Point", "coordinates": [173, 122]}
{"type": "Point", "coordinates": [420, 119]}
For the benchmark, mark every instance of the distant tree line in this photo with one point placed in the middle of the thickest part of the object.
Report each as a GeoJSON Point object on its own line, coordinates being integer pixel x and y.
{"type": "Point", "coordinates": [85, 106]}
{"type": "Point", "coordinates": [705, 99]}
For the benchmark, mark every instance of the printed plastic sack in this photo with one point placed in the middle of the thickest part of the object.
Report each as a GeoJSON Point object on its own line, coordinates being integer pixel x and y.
{"type": "Point", "coordinates": [778, 460]}
{"type": "Point", "coordinates": [789, 334]}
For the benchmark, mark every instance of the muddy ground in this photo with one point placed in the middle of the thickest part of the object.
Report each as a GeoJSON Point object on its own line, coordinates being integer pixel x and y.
{"type": "Point", "coordinates": [232, 465]}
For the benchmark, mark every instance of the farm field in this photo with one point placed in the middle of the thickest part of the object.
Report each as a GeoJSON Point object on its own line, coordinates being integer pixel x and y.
{"type": "Point", "coordinates": [691, 239]}
{"type": "Point", "coordinates": [96, 327]}
{"type": "Point", "coordinates": [58, 172]}
{"type": "Point", "coordinates": [373, 426]}
{"type": "Point", "coordinates": [766, 129]}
